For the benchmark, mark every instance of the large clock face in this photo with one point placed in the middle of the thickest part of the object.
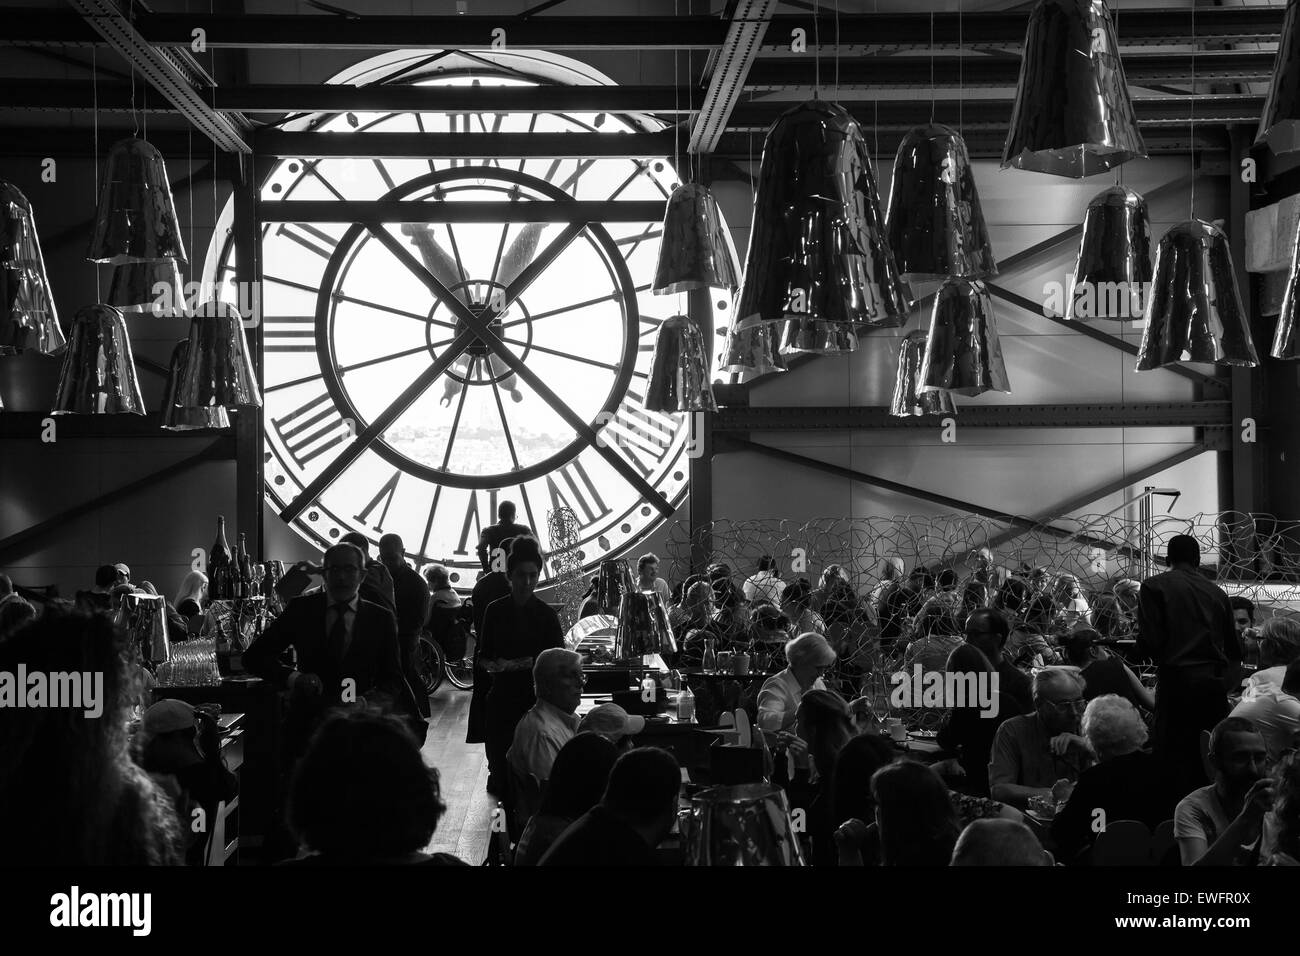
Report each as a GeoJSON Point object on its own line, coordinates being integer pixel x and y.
{"type": "Point", "coordinates": [386, 413]}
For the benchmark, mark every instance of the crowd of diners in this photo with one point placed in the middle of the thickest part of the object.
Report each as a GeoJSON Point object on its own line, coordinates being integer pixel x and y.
{"type": "Point", "coordinates": [1075, 737]}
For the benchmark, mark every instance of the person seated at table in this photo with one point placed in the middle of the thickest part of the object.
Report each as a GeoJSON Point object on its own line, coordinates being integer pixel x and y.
{"type": "Point", "coordinates": [1280, 842]}
{"type": "Point", "coordinates": [1275, 710]}
{"type": "Point", "coordinates": [809, 656]}
{"type": "Point", "coordinates": [853, 807]}
{"type": "Point", "coordinates": [796, 604]}
{"type": "Point", "coordinates": [938, 635]}
{"type": "Point", "coordinates": [892, 606]}
{"type": "Point", "coordinates": [14, 613]}
{"type": "Point", "coordinates": [647, 569]}
{"type": "Point", "coordinates": [70, 794]}
{"type": "Point", "coordinates": [578, 779]}
{"type": "Point", "coordinates": [546, 727]}
{"type": "Point", "coordinates": [1213, 824]}
{"type": "Point", "coordinates": [999, 843]}
{"type": "Point", "coordinates": [1109, 618]}
{"type": "Point", "coordinates": [769, 630]}
{"type": "Point", "coordinates": [181, 747]}
{"type": "Point", "coordinates": [1126, 783]}
{"type": "Point", "coordinates": [1279, 645]}
{"type": "Point", "coordinates": [696, 610]}
{"type": "Point", "coordinates": [613, 723]}
{"type": "Point", "coordinates": [441, 593]}
{"type": "Point", "coordinates": [1027, 647]}
{"type": "Point", "coordinates": [988, 631]}
{"type": "Point", "coordinates": [916, 822]}
{"type": "Point", "coordinates": [823, 725]}
{"type": "Point", "coordinates": [731, 616]}
{"type": "Point", "coordinates": [765, 582]}
{"type": "Point", "coordinates": [1103, 672]}
{"type": "Point", "coordinates": [1243, 619]}
{"type": "Point", "coordinates": [1042, 753]}
{"type": "Point", "coordinates": [100, 596]}
{"type": "Point", "coordinates": [969, 731]}
{"type": "Point", "coordinates": [635, 815]}
{"type": "Point", "coordinates": [362, 796]}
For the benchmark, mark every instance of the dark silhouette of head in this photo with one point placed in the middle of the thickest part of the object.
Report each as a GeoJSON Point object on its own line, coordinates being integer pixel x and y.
{"type": "Point", "coordinates": [506, 512]}
{"type": "Point", "coordinates": [579, 776]}
{"type": "Point", "coordinates": [1183, 550]}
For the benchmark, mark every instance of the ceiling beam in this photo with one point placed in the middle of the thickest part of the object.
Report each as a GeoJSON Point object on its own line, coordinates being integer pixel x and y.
{"type": "Point", "coordinates": [378, 145]}
{"type": "Point", "coordinates": [1002, 31]}
{"type": "Point", "coordinates": [455, 211]}
{"type": "Point", "coordinates": [751, 418]}
{"type": "Point", "coordinates": [749, 21]}
{"type": "Point", "coordinates": [171, 74]}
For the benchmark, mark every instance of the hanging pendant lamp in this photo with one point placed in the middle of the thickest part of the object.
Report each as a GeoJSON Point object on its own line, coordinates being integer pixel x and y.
{"type": "Point", "coordinates": [135, 220]}
{"type": "Point", "coordinates": [98, 373]}
{"type": "Point", "coordinates": [28, 317]}
{"type": "Point", "coordinates": [218, 369]}
{"type": "Point", "coordinates": [1114, 262]}
{"type": "Point", "coordinates": [1194, 312]}
{"type": "Point", "coordinates": [962, 351]}
{"type": "Point", "coordinates": [935, 222]}
{"type": "Point", "coordinates": [153, 287]}
{"type": "Point", "coordinates": [1284, 337]}
{"type": "Point", "coordinates": [817, 250]}
{"type": "Point", "coordinates": [679, 374]}
{"type": "Point", "coordinates": [694, 249]}
{"type": "Point", "coordinates": [177, 417]}
{"type": "Point", "coordinates": [909, 401]}
{"type": "Point", "coordinates": [1279, 127]}
{"type": "Point", "coordinates": [753, 349]}
{"type": "Point", "coordinates": [1073, 115]}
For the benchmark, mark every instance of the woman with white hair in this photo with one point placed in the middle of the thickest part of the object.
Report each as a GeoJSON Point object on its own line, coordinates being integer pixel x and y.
{"type": "Point", "coordinates": [1125, 784]}
{"type": "Point", "coordinates": [190, 599]}
{"type": "Point", "coordinates": [808, 657]}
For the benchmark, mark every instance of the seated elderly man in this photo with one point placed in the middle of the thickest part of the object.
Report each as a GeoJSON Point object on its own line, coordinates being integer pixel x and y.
{"type": "Point", "coordinates": [1126, 783]}
{"type": "Point", "coordinates": [1275, 710]}
{"type": "Point", "coordinates": [1279, 645]}
{"type": "Point", "coordinates": [1042, 753]}
{"type": "Point", "coordinates": [551, 723]}
{"type": "Point", "coordinates": [999, 843]}
{"type": "Point", "coordinates": [808, 656]}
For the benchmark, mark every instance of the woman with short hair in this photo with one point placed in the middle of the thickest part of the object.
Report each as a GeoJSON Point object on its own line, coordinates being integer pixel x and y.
{"type": "Point", "coordinates": [808, 657]}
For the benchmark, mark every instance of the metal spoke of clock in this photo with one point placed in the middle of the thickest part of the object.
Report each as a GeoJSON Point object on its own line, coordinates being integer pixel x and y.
{"type": "Point", "coordinates": [505, 425]}
{"type": "Point", "coordinates": [612, 297]}
{"type": "Point", "coordinates": [366, 303]}
{"type": "Point", "coordinates": [460, 407]}
{"type": "Point", "coordinates": [455, 252]}
{"type": "Point", "coordinates": [431, 282]}
{"type": "Point", "coordinates": [344, 369]}
{"type": "Point", "coordinates": [532, 127]}
{"type": "Point", "coordinates": [366, 438]}
{"type": "Point", "coordinates": [419, 122]}
{"type": "Point", "coordinates": [641, 168]}
{"type": "Point", "coordinates": [648, 233]}
{"type": "Point", "coordinates": [564, 355]}
{"type": "Point", "coordinates": [541, 262]}
{"type": "Point", "coordinates": [496, 128]}
{"type": "Point", "coordinates": [582, 167]}
{"type": "Point", "coordinates": [310, 167]}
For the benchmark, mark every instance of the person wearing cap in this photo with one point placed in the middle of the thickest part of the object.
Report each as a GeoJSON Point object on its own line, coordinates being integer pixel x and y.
{"type": "Point", "coordinates": [808, 657]}
{"type": "Point", "coordinates": [1103, 673]}
{"type": "Point", "coordinates": [613, 723]}
{"type": "Point", "coordinates": [1185, 625]}
{"type": "Point", "coordinates": [181, 749]}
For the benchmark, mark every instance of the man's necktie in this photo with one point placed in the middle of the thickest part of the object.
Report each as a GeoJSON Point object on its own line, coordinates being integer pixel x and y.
{"type": "Point", "coordinates": [339, 633]}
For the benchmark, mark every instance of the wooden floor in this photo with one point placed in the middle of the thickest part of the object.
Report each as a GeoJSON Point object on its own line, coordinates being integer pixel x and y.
{"type": "Point", "coordinates": [465, 828]}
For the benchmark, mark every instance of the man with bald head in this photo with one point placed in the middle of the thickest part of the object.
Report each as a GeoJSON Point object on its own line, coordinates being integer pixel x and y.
{"type": "Point", "coordinates": [999, 843]}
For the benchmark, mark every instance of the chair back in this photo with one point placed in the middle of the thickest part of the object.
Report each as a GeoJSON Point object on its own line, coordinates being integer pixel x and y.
{"type": "Point", "coordinates": [525, 799]}
{"type": "Point", "coordinates": [1123, 843]}
{"type": "Point", "coordinates": [1164, 848]}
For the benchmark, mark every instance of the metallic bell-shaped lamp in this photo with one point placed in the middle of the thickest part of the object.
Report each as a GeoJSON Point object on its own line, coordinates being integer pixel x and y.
{"type": "Point", "coordinates": [1194, 312]}
{"type": "Point", "coordinates": [613, 581]}
{"type": "Point", "coordinates": [1284, 337]}
{"type": "Point", "coordinates": [98, 374]}
{"type": "Point", "coordinates": [1114, 263]}
{"type": "Point", "coordinates": [962, 352]}
{"type": "Point", "coordinates": [144, 619]}
{"type": "Point", "coordinates": [28, 317]}
{"type": "Point", "coordinates": [817, 248]}
{"type": "Point", "coordinates": [694, 251]}
{"type": "Point", "coordinates": [746, 825]}
{"type": "Point", "coordinates": [753, 349]}
{"type": "Point", "coordinates": [1279, 126]}
{"type": "Point", "coordinates": [218, 369]}
{"type": "Point", "coordinates": [153, 287]}
{"type": "Point", "coordinates": [818, 337]}
{"type": "Point", "coordinates": [135, 220]}
{"type": "Point", "coordinates": [642, 627]}
{"type": "Point", "coordinates": [177, 417]}
{"type": "Point", "coordinates": [679, 374]}
{"type": "Point", "coordinates": [935, 221]}
{"type": "Point", "coordinates": [909, 401]}
{"type": "Point", "coordinates": [1073, 115]}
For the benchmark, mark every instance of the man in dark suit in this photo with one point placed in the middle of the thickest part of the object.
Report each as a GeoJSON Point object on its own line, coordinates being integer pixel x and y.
{"type": "Point", "coordinates": [411, 594]}
{"type": "Point", "coordinates": [494, 536]}
{"type": "Point", "coordinates": [1185, 625]}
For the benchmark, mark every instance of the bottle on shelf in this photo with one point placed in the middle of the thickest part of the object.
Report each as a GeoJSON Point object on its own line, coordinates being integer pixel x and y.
{"type": "Point", "coordinates": [219, 564]}
{"type": "Point", "coordinates": [243, 571]}
{"type": "Point", "coordinates": [710, 663]}
{"type": "Point", "coordinates": [685, 705]}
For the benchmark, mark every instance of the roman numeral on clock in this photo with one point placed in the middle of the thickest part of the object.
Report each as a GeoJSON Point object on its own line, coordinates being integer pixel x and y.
{"type": "Point", "coordinates": [312, 429]}
{"type": "Point", "coordinates": [289, 333]}
{"type": "Point", "coordinates": [385, 495]}
{"type": "Point", "coordinates": [573, 488]}
{"type": "Point", "coordinates": [476, 519]}
{"type": "Point", "coordinates": [643, 436]}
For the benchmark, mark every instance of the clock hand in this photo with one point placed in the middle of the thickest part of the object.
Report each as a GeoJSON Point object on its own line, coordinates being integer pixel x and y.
{"type": "Point", "coordinates": [436, 259]}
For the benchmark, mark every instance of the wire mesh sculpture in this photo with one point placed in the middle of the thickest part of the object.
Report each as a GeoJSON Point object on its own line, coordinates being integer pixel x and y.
{"type": "Point", "coordinates": [570, 582]}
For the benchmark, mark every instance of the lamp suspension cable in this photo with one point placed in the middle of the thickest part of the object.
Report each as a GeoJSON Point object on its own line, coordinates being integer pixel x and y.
{"type": "Point", "coordinates": [961, 77]}
{"type": "Point", "coordinates": [817, 50]}
{"type": "Point", "coordinates": [1192, 133]}
{"type": "Point", "coordinates": [94, 158]}
{"type": "Point", "coordinates": [932, 67]}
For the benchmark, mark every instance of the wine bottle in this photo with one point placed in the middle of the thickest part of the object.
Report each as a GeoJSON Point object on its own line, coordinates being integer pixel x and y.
{"type": "Point", "coordinates": [243, 573]}
{"type": "Point", "coordinates": [219, 564]}
{"type": "Point", "coordinates": [710, 662]}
